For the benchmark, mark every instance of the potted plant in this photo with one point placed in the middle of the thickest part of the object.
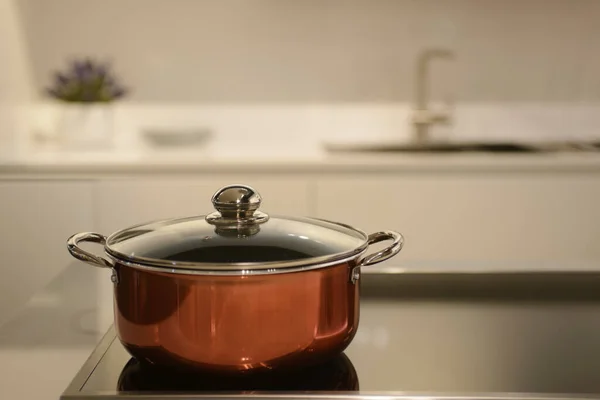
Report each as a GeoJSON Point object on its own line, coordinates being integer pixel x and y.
{"type": "Point", "coordinates": [87, 91]}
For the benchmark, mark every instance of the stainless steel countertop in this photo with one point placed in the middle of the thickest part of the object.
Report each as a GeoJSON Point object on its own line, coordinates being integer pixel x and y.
{"type": "Point", "coordinates": [445, 336]}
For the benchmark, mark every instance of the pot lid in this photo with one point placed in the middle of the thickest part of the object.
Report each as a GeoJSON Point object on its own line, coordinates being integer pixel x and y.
{"type": "Point", "coordinates": [237, 236]}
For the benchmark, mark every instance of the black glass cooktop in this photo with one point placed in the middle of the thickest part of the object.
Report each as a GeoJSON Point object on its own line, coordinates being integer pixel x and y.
{"type": "Point", "coordinates": [465, 335]}
{"type": "Point", "coordinates": [337, 374]}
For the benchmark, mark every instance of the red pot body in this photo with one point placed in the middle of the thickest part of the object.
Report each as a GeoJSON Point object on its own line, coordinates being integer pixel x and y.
{"type": "Point", "coordinates": [236, 323]}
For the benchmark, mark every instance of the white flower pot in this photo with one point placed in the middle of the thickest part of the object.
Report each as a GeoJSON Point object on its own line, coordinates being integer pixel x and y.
{"type": "Point", "coordinates": [86, 126]}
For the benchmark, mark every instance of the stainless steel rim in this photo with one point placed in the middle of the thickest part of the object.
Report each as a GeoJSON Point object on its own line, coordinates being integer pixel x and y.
{"type": "Point", "coordinates": [237, 268]}
{"type": "Point", "coordinates": [237, 272]}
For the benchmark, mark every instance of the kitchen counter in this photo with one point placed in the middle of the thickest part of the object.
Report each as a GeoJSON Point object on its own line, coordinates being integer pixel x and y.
{"type": "Point", "coordinates": [54, 333]}
{"type": "Point", "coordinates": [48, 165]}
{"type": "Point", "coordinates": [527, 336]}
{"type": "Point", "coordinates": [43, 346]}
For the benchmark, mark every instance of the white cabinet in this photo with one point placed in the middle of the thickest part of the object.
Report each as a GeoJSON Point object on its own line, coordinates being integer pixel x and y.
{"type": "Point", "coordinates": [37, 218]}
{"type": "Point", "coordinates": [125, 202]}
{"type": "Point", "coordinates": [492, 217]}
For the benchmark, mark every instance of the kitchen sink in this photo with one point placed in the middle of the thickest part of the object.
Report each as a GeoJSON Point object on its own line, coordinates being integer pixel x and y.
{"type": "Point", "coordinates": [463, 147]}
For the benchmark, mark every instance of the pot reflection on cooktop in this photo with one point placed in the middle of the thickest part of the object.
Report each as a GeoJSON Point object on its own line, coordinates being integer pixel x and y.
{"type": "Point", "coordinates": [337, 374]}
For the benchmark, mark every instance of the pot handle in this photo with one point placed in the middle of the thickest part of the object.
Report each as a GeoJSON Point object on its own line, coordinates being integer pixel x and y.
{"type": "Point", "coordinates": [382, 255]}
{"type": "Point", "coordinates": [82, 255]}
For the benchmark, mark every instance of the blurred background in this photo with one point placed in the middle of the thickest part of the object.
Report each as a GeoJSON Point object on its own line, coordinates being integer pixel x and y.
{"type": "Point", "coordinates": [471, 126]}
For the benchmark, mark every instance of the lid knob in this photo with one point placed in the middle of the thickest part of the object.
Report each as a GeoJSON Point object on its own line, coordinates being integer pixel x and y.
{"type": "Point", "coordinates": [236, 199]}
{"type": "Point", "coordinates": [236, 206]}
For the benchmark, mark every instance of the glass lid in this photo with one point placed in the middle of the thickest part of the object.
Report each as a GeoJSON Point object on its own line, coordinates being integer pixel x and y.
{"type": "Point", "coordinates": [237, 236]}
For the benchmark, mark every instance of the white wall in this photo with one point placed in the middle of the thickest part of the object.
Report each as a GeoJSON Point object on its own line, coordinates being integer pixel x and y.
{"type": "Point", "coordinates": [275, 71]}
{"type": "Point", "coordinates": [326, 50]}
{"type": "Point", "coordinates": [15, 76]}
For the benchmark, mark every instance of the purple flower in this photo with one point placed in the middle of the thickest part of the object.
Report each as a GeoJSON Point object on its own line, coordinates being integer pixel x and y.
{"type": "Point", "coordinates": [86, 81]}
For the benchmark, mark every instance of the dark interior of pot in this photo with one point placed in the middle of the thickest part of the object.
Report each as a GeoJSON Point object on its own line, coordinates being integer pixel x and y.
{"type": "Point", "coordinates": [241, 254]}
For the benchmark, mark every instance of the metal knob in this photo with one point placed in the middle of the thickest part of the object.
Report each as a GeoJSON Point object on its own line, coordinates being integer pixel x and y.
{"type": "Point", "coordinates": [236, 200]}
{"type": "Point", "coordinates": [236, 206]}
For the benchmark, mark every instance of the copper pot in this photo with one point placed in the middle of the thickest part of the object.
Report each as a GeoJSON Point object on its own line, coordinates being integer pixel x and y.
{"type": "Point", "coordinates": [236, 290]}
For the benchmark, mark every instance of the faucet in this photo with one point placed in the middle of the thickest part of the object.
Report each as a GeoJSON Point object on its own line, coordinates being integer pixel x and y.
{"type": "Point", "coordinates": [422, 117]}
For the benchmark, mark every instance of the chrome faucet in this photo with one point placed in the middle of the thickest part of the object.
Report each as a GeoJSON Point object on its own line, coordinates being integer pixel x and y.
{"type": "Point", "coordinates": [422, 117]}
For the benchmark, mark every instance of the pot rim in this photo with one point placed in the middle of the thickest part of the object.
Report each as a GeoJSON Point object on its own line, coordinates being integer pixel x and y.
{"type": "Point", "coordinates": [238, 272]}
{"type": "Point", "coordinates": [243, 268]}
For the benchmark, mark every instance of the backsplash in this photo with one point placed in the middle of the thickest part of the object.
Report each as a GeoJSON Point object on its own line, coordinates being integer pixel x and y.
{"type": "Point", "coordinates": [326, 50]}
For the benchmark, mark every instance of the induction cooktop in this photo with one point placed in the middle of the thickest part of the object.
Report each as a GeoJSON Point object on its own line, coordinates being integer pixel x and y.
{"type": "Point", "coordinates": [500, 336]}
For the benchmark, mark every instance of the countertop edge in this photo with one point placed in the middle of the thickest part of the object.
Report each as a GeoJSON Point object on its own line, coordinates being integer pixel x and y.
{"type": "Point", "coordinates": [44, 168]}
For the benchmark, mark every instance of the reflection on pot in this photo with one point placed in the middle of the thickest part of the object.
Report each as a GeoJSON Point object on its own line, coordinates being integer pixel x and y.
{"type": "Point", "coordinates": [147, 298]}
{"type": "Point", "coordinates": [337, 374]}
